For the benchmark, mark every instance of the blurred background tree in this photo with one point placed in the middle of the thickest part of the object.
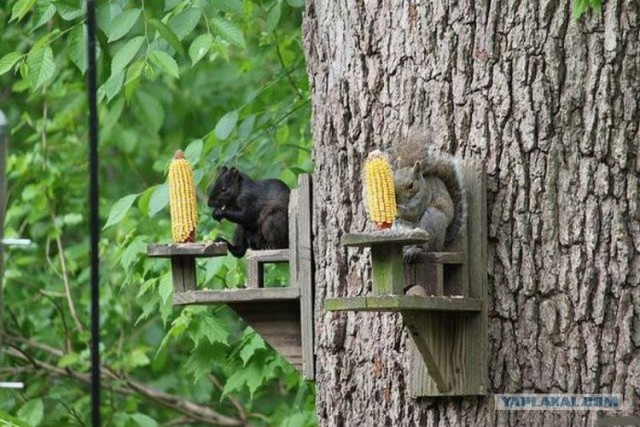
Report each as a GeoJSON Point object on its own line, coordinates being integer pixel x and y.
{"type": "Point", "coordinates": [225, 81]}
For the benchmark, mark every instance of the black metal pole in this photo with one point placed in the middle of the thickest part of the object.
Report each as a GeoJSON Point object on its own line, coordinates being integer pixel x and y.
{"type": "Point", "coordinates": [94, 214]}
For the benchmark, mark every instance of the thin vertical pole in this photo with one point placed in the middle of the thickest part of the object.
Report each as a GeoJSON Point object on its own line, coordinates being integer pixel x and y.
{"type": "Point", "coordinates": [4, 135]}
{"type": "Point", "coordinates": [94, 214]}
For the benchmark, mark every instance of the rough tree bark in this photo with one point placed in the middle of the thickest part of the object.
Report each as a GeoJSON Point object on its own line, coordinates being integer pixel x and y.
{"type": "Point", "coordinates": [552, 105]}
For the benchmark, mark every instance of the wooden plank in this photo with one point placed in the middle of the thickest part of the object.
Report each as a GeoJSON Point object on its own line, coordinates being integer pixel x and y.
{"type": "Point", "coordinates": [303, 270]}
{"type": "Point", "coordinates": [254, 275]}
{"type": "Point", "coordinates": [445, 257]}
{"type": "Point", "coordinates": [293, 238]}
{"type": "Point", "coordinates": [198, 249]}
{"type": "Point", "coordinates": [228, 296]}
{"type": "Point", "coordinates": [434, 363]}
{"type": "Point", "coordinates": [387, 269]}
{"type": "Point", "coordinates": [458, 341]}
{"type": "Point", "coordinates": [278, 323]}
{"type": "Point", "coordinates": [268, 255]}
{"type": "Point", "coordinates": [397, 303]}
{"type": "Point", "coordinates": [385, 237]}
{"type": "Point", "coordinates": [183, 272]}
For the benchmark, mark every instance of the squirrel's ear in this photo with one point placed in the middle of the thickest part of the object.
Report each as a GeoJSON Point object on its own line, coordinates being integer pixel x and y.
{"type": "Point", "coordinates": [417, 169]}
{"type": "Point", "coordinates": [233, 172]}
{"type": "Point", "coordinates": [223, 170]}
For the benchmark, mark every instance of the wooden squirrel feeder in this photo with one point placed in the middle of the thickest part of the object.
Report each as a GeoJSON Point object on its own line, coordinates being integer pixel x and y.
{"type": "Point", "coordinates": [448, 349]}
{"type": "Point", "coordinates": [282, 316]}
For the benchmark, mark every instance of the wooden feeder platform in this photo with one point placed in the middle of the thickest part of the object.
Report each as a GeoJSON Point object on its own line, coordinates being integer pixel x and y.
{"type": "Point", "coordinates": [283, 316]}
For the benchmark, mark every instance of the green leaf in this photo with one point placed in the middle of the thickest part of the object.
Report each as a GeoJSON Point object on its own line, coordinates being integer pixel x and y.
{"type": "Point", "coordinates": [296, 3]}
{"type": "Point", "coordinates": [69, 359]}
{"type": "Point", "coordinates": [214, 330]}
{"type": "Point", "coordinates": [229, 31]}
{"type": "Point", "coordinates": [8, 61]}
{"type": "Point", "coordinates": [252, 344]}
{"type": "Point", "coordinates": [273, 18]}
{"type": "Point", "coordinates": [149, 109]}
{"type": "Point", "coordinates": [200, 47]}
{"type": "Point", "coordinates": [105, 15]}
{"type": "Point", "coordinates": [21, 8]}
{"type": "Point", "coordinates": [194, 151]}
{"type": "Point", "coordinates": [42, 14]}
{"type": "Point", "coordinates": [226, 124]}
{"type": "Point", "coordinates": [184, 23]}
{"type": "Point", "coordinates": [11, 421]}
{"type": "Point", "coordinates": [41, 66]}
{"type": "Point", "coordinates": [144, 420]}
{"type": "Point", "coordinates": [120, 209]}
{"type": "Point", "coordinates": [159, 199]}
{"type": "Point", "coordinates": [234, 6]}
{"type": "Point", "coordinates": [32, 412]}
{"type": "Point", "coordinates": [71, 9]}
{"type": "Point", "coordinates": [168, 35]}
{"type": "Point", "coordinates": [123, 23]}
{"type": "Point", "coordinates": [112, 86]}
{"type": "Point", "coordinates": [165, 289]}
{"type": "Point", "coordinates": [165, 62]}
{"type": "Point", "coordinates": [125, 54]}
{"type": "Point", "coordinates": [77, 48]}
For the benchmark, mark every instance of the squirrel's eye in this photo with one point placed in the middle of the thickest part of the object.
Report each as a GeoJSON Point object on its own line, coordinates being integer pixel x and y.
{"type": "Point", "coordinates": [224, 188]}
{"type": "Point", "coordinates": [410, 187]}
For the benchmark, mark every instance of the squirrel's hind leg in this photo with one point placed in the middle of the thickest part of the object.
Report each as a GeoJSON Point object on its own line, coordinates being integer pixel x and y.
{"type": "Point", "coordinates": [274, 227]}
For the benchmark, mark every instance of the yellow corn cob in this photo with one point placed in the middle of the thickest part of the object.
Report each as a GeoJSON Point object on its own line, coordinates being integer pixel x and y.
{"type": "Point", "coordinates": [182, 200]}
{"type": "Point", "coordinates": [381, 195]}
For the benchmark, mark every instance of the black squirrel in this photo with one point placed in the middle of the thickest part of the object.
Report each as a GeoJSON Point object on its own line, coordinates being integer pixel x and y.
{"type": "Point", "coordinates": [259, 208]}
{"type": "Point", "coordinates": [429, 195]}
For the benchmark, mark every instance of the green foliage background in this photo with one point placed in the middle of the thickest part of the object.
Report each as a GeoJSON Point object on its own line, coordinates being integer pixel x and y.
{"type": "Point", "coordinates": [223, 79]}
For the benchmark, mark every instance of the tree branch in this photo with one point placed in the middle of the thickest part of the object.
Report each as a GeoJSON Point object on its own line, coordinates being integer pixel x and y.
{"type": "Point", "coordinates": [191, 410]}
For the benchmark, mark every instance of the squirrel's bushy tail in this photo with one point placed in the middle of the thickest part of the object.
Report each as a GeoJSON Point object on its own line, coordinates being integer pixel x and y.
{"type": "Point", "coordinates": [417, 148]}
{"type": "Point", "coordinates": [446, 168]}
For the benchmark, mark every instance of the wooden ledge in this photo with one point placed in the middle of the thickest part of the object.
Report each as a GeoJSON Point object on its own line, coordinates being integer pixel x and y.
{"type": "Point", "coordinates": [230, 296]}
{"type": "Point", "coordinates": [197, 249]}
{"type": "Point", "coordinates": [385, 237]}
{"type": "Point", "coordinates": [271, 255]}
{"type": "Point", "coordinates": [396, 303]}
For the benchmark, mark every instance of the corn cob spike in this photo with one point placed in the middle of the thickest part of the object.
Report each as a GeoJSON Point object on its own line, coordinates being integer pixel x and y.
{"type": "Point", "coordinates": [182, 199]}
{"type": "Point", "coordinates": [380, 191]}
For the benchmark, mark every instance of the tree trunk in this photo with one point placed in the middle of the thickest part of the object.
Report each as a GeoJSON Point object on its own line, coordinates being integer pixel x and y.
{"type": "Point", "coordinates": [552, 105]}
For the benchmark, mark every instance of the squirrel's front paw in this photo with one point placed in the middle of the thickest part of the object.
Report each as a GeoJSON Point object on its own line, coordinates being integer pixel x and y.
{"type": "Point", "coordinates": [412, 254]}
{"type": "Point", "coordinates": [217, 214]}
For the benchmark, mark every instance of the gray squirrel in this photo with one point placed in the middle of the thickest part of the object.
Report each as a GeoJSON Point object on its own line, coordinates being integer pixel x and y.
{"type": "Point", "coordinates": [429, 195]}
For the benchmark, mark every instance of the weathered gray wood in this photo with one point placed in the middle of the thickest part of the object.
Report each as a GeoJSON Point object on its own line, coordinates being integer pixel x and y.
{"type": "Point", "coordinates": [278, 323]}
{"type": "Point", "coordinates": [254, 274]}
{"type": "Point", "coordinates": [400, 303]}
{"type": "Point", "coordinates": [436, 363]}
{"type": "Point", "coordinates": [303, 270]}
{"type": "Point", "coordinates": [457, 342]}
{"type": "Point", "coordinates": [385, 237]}
{"type": "Point", "coordinates": [227, 296]}
{"type": "Point", "coordinates": [293, 237]}
{"type": "Point", "coordinates": [183, 272]}
{"type": "Point", "coordinates": [445, 257]}
{"type": "Point", "coordinates": [387, 269]}
{"type": "Point", "coordinates": [268, 255]}
{"type": "Point", "coordinates": [197, 249]}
